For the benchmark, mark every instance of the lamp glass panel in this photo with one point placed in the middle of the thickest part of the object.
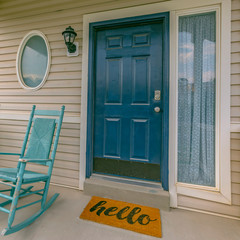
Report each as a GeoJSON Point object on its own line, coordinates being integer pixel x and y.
{"type": "Point", "coordinates": [67, 38]}
{"type": "Point", "coordinates": [72, 38]}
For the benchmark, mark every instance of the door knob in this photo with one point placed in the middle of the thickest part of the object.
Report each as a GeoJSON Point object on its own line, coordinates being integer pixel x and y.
{"type": "Point", "coordinates": [157, 109]}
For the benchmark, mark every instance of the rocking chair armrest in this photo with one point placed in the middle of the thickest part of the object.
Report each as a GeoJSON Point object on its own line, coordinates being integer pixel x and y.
{"type": "Point", "coordinates": [31, 160]}
{"type": "Point", "coordinates": [4, 153]}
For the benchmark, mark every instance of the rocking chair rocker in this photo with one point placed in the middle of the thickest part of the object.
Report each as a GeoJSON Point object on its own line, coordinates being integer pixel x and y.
{"type": "Point", "coordinates": [39, 144]}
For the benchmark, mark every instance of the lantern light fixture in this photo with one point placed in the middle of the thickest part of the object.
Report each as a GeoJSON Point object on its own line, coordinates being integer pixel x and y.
{"type": "Point", "coordinates": [69, 36]}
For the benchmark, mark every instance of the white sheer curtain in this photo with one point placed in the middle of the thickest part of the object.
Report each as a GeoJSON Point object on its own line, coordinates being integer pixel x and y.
{"type": "Point", "coordinates": [196, 99]}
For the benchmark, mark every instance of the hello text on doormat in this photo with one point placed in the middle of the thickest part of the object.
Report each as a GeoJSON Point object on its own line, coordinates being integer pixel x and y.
{"type": "Point", "coordinates": [125, 215]}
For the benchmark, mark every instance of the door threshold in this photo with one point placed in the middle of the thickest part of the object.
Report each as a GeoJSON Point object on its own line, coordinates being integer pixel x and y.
{"type": "Point", "coordinates": [127, 180]}
{"type": "Point", "coordinates": [128, 190]}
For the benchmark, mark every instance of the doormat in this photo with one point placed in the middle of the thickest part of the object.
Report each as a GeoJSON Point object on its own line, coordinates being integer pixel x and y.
{"type": "Point", "coordinates": [125, 215]}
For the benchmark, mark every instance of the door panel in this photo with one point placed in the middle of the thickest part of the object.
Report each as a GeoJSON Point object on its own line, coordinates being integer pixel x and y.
{"type": "Point", "coordinates": [141, 81]}
{"type": "Point", "coordinates": [112, 137]}
{"type": "Point", "coordinates": [139, 139]}
{"type": "Point", "coordinates": [128, 70]}
{"type": "Point", "coordinates": [113, 81]}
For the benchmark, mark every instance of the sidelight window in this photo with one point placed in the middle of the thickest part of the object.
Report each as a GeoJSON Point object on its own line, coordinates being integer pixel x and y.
{"type": "Point", "coordinates": [197, 99]}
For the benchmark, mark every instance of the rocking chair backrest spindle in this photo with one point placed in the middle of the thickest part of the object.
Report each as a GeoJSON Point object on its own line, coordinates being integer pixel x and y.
{"type": "Point", "coordinates": [40, 141]}
{"type": "Point", "coordinates": [43, 129]}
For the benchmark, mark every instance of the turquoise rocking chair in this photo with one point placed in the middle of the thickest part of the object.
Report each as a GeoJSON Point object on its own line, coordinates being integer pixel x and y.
{"type": "Point", "coordinates": [39, 143]}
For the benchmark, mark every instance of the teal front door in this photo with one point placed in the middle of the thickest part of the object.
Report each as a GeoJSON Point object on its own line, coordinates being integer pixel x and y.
{"type": "Point", "coordinates": [129, 100]}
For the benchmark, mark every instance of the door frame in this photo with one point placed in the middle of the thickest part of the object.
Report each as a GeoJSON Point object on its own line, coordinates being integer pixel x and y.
{"type": "Point", "coordinates": [93, 28]}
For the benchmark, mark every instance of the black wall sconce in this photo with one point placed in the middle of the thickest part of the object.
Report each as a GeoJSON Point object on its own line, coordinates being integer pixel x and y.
{"type": "Point", "coordinates": [69, 37]}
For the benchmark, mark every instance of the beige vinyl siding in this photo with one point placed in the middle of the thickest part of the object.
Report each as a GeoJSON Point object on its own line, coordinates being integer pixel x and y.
{"type": "Point", "coordinates": [234, 209]}
{"type": "Point", "coordinates": [235, 66]}
{"type": "Point", "coordinates": [63, 86]}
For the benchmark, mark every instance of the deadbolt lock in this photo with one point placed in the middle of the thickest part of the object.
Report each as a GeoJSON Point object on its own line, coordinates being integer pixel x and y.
{"type": "Point", "coordinates": [157, 95]}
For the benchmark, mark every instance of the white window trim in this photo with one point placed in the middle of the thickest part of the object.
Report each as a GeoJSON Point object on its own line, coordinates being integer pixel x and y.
{"type": "Point", "coordinates": [223, 194]}
{"type": "Point", "coordinates": [19, 59]}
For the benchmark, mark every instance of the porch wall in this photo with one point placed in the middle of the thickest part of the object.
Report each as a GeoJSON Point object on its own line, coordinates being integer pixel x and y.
{"type": "Point", "coordinates": [63, 86]}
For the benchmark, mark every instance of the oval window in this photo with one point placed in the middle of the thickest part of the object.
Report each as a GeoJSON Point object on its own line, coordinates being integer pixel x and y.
{"type": "Point", "coordinates": [33, 60]}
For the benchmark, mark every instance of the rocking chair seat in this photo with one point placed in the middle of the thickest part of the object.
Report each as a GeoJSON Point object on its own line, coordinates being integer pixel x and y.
{"type": "Point", "coordinates": [10, 174]}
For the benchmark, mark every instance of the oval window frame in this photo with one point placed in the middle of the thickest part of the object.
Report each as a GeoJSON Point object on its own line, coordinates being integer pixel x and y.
{"type": "Point", "coordinates": [19, 59]}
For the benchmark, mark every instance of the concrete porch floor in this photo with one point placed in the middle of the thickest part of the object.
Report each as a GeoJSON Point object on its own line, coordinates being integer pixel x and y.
{"type": "Point", "coordinates": [61, 222]}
